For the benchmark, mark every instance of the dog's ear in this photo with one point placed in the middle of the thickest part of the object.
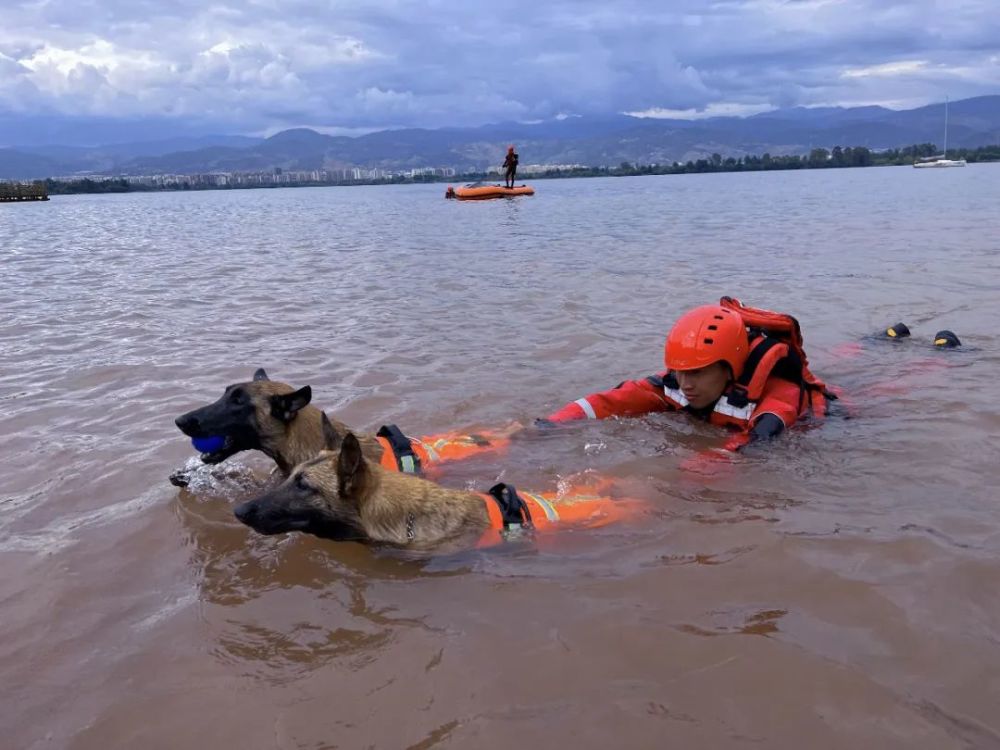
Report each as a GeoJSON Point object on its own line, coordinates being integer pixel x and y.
{"type": "Point", "coordinates": [331, 438]}
{"type": "Point", "coordinates": [260, 374]}
{"type": "Point", "coordinates": [350, 466]}
{"type": "Point", "coordinates": [286, 406]}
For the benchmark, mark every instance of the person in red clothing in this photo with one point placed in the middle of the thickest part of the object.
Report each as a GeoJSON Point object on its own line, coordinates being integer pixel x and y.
{"type": "Point", "coordinates": [732, 365]}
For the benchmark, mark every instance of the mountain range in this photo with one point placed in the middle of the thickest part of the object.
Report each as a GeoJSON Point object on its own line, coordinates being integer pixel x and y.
{"type": "Point", "coordinates": [587, 141]}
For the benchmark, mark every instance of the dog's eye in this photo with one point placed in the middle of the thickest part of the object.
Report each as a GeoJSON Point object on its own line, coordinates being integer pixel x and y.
{"type": "Point", "coordinates": [301, 483]}
{"type": "Point", "coordinates": [236, 397]}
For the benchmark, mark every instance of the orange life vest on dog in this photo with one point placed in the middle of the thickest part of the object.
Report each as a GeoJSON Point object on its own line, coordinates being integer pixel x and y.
{"type": "Point", "coordinates": [514, 513]}
{"type": "Point", "coordinates": [775, 351]}
{"type": "Point", "coordinates": [413, 455]}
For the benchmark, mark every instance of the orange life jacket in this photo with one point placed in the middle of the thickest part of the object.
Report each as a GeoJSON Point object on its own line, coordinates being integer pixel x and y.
{"type": "Point", "coordinates": [513, 514]}
{"type": "Point", "coordinates": [775, 351]}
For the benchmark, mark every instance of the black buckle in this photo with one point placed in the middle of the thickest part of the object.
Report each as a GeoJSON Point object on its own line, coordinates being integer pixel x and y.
{"type": "Point", "coordinates": [407, 461]}
{"type": "Point", "coordinates": [738, 396]}
{"type": "Point", "coordinates": [513, 510]}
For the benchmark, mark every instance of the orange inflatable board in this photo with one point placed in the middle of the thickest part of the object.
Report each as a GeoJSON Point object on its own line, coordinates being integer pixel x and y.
{"type": "Point", "coordinates": [485, 192]}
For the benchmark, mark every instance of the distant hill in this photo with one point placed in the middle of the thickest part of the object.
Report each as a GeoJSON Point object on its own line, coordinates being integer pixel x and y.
{"type": "Point", "coordinates": [573, 140]}
{"type": "Point", "coordinates": [19, 165]}
{"type": "Point", "coordinates": [49, 161]}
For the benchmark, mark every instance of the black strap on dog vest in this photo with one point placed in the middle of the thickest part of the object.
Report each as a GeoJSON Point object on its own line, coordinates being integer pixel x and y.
{"type": "Point", "coordinates": [513, 510]}
{"type": "Point", "coordinates": [407, 461]}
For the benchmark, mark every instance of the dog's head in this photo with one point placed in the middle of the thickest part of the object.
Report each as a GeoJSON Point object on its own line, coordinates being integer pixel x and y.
{"type": "Point", "coordinates": [248, 416]}
{"type": "Point", "coordinates": [321, 496]}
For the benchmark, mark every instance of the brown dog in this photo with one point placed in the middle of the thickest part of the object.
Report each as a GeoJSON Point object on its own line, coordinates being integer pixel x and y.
{"type": "Point", "coordinates": [278, 420]}
{"type": "Point", "coordinates": [341, 495]}
{"type": "Point", "coordinates": [268, 416]}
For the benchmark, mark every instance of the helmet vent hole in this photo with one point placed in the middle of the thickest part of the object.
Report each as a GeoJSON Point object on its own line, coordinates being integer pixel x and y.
{"type": "Point", "coordinates": [709, 341]}
{"type": "Point", "coordinates": [718, 317]}
{"type": "Point", "coordinates": [713, 328]}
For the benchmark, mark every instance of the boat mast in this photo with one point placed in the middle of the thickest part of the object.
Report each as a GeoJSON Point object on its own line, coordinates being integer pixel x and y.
{"type": "Point", "coordinates": [946, 127]}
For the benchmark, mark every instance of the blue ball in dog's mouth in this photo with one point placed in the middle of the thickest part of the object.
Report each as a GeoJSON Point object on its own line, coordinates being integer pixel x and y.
{"type": "Point", "coordinates": [208, 444]}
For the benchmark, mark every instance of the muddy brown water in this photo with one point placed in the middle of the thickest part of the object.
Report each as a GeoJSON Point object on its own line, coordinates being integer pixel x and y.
{"type": "Point", "coordinates": [836, 590]}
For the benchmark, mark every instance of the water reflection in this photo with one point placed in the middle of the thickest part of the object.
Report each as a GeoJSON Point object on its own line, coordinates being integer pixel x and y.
{"type": "Point", "coordinates": [283, 606]}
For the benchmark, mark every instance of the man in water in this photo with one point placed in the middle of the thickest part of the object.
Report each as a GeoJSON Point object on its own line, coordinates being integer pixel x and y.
{"type": "Point", "coordinates": [728, 364]}
{"type": "Point", "coordinates": [510, 167]}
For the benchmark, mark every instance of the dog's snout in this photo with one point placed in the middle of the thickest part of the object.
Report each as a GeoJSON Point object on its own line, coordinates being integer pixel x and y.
{"type": "Point", "coordinates": [186, 423]}
{"type": "Point", "coordinates": [245, 512]}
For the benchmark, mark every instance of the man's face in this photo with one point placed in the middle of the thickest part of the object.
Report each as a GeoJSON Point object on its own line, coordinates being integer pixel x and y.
{"type": "Point", "coordinates": [702, 387]}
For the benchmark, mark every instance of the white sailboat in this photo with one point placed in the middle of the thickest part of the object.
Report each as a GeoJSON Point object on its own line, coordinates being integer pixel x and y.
{"type": "Point", "coordinates": [942, 160]}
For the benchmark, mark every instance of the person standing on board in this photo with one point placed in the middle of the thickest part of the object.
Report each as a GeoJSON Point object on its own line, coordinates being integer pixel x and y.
{"type": "Point", "coordinates": [510, 167]}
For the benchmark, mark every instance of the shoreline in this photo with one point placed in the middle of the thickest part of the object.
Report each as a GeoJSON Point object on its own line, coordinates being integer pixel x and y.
{"type": "Point", "coordinates": [848, 158]}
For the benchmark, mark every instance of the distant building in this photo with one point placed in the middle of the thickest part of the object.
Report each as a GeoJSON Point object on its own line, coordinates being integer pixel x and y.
{"type": "Point", "coordinates": [543, 168]}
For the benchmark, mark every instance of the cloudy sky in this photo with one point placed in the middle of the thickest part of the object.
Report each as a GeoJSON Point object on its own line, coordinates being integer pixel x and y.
{"type": "Point", "coordinates": [258, 66]}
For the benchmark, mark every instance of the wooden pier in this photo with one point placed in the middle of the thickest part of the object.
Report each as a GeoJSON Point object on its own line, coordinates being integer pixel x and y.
{"type": "Point", "coordinates": [20, 191]}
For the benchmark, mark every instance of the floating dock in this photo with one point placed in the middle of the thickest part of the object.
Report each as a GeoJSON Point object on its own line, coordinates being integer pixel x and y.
{"type": "Point", "coordinates": [20, 191]}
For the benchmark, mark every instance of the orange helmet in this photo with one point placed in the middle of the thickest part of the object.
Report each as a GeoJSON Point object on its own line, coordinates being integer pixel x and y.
{"type": "Point", "coordinates": [706, 335]}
